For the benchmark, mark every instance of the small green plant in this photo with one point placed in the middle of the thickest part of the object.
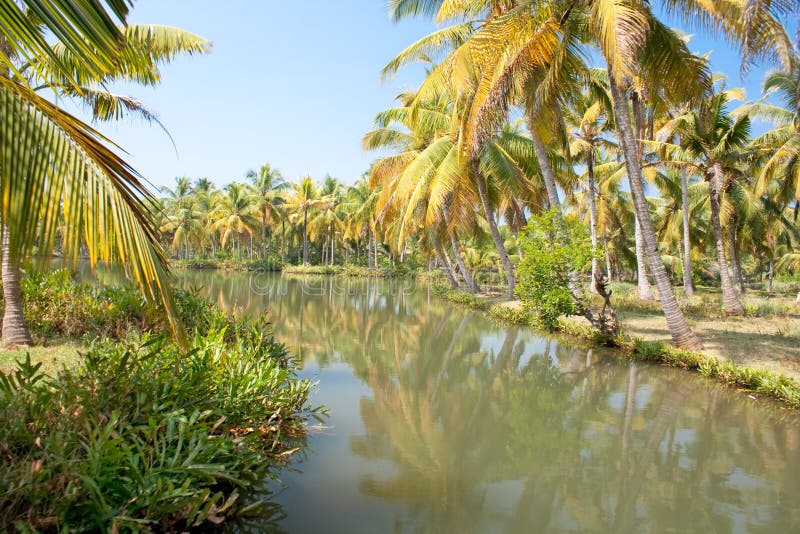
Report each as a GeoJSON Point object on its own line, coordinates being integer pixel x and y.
{"type": "Point", "coordinates": [557, 250]}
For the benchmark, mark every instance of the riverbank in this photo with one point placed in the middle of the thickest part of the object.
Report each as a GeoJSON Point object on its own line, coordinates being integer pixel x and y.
{"type": "Point", "coordinates": [647, 340]}
{"type": "Point", "coordinates": [350, 270]}
{"type": "Point", "coordinates": [137, 432]}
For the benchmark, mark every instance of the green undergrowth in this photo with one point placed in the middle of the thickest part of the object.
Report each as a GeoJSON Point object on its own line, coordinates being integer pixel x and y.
{"type": "Point", "coordinates": [142, 435]}
{"type": "Point", "coordinates": [763, 382]}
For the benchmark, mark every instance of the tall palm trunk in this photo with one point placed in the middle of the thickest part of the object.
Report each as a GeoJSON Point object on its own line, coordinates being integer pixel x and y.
{"type": "Point", "coordinates": [493, 230]}
{"type": "Point", "coordinates": [688, 284]}
{"type": "Point", "coordinates": [729, 298]}
{"type": "Point", "coordinates": [15, 329]}
{"type": "Point", "coordinates": [548, 174]}
{"type": "Point", "coordinates": [283, 240]}
{"type": "Point", "coordinates": [771, 274]}
{"type": "Point", "coordinates": [736, 260]}
{"type": "Point", "coordinates": [448, 271]}
{"type": "Point", "coordinates": [305, 236]}
{"type": "Point", "coordinates": [592, 217]}
{"type": "Point", "coordinates": [645, 291]}
{"type": "Point", "coordinates": [462, 266]}
{"type": "Point", "coordinates": [682, 335]}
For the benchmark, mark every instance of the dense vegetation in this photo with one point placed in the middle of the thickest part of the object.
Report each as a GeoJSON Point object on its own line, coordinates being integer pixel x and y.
{"type": "Point", "coordinates": [651, 150]}
{"type": "Point", "coordinates": [143, 435]}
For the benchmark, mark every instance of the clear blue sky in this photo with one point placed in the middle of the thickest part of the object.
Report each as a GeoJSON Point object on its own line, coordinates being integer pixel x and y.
{"type": "Point", "coordinates": [295, 85]}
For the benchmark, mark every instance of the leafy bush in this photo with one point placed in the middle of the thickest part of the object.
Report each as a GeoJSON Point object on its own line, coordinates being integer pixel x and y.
{"type": "Point", "coordinates": [144, 436]}
{"type": "Point", "coordinates": [55, 304]}
{"type": "Point", "coordinates": [553, 247]}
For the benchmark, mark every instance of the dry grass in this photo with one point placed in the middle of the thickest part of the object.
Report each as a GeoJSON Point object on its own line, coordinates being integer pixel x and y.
{"type": "Point", "coordinates": [771, 343]}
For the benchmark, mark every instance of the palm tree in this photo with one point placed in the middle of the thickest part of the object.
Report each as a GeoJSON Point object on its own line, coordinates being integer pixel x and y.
{"type": "Point", "coordinates": [269, 186]}
{"type": "Point", "coordinates": [712, 144]}
{"type": "Point", "coordinates": [526, 50]}
{"type": "Point", "coordinates": [236, 213]}
{"type": "Point", "coordinates": [306, 196]}
{"type": "Point", "coordinates": [73, 174]}
{"type": "Point", "coordinates": [186, 222]}
{"type": "Point", "coordinates": [588, 119]}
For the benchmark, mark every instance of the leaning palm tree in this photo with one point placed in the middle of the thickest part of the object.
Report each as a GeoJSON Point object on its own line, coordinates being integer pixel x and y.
{"type": "Point", "coordinates": [57, 168]}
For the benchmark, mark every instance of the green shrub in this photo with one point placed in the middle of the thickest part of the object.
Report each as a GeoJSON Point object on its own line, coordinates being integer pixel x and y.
{"type": "Point", "coordinates": [553, 247]}
{"type": "Point", "coordinates": [144, 436]}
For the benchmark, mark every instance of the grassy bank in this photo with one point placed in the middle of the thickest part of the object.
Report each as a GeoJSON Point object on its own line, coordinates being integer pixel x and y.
{"type": "Point", "coordinates": [356, 271]}
{"type": "Point", "coordinates": [139, 434]}
{"type": "Point", "coordinates": [771, 384]}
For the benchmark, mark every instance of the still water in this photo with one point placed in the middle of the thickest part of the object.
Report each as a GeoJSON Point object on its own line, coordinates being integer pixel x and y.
{"type": "Point", "coordinates": [442, 421]}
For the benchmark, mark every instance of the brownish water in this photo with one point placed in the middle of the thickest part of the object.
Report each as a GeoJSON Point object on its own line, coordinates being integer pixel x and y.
{"type": "Point", "coordinates": [442, 421]}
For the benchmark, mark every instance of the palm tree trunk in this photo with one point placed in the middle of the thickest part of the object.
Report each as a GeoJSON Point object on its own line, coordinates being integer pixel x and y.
{"type": "Point", "coordinates": [305, 236]}
{"type": "Point", "coordinates": [645, 291]}
{"type": "Point", "coordinates": [682, 335]}
{"type": "Point", "coordinates": [448, 270]}
{"type": "Point", "coordinates": [688, 284]}
{"type": "Point", "coordinates": [283, 240]}
{"type": "Point", "coordinates": [736, 259]}
{"type": "Point", "coordinates": [729, 298]}
{"type": "Point", "coordinates": [473, 287]}
{"type": "Point", "coordinates": [498, 240]}
{"type": "Point", "coordinates": [15, 330]}
{"type": "Point", "coordinates": [376, 250]}
{"type": "Point", "coordinates": [592, 217]}
{"type": "Point", "coordinates": [771, 274]}
{"type": "Point", "coordinates": [548, 174]}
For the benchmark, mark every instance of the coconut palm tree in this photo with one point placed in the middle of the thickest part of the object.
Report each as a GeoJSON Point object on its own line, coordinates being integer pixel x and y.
{"type": "Point", "coordinates": [73, 173]}
{"type": "Point", "coordinates": [526, 50]}
{"type": "Point", "coordinates": [588, 120]}
{"type": "Point", "coordinates": [712, 146]}
{"type": "Point", "coordinates": [236, 213]}
{"type": "Point", "coordinates": [304, 198]}
{"type": "Point", "coordinates": [269, 185]}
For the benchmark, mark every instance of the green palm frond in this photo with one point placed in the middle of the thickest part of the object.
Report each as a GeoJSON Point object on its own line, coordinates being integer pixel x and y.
{"type": "Point", "coordinates": [74, 174]}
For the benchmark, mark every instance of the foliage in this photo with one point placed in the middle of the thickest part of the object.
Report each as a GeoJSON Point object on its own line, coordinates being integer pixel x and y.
{"type": "Point", "coordinates": [553, 247]}
{"type": "Point", "coordinates": [156, 438]}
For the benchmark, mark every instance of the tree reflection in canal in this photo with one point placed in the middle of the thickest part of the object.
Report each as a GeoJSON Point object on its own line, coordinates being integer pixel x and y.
{"type": "Point", "coordinates": [469, 426]}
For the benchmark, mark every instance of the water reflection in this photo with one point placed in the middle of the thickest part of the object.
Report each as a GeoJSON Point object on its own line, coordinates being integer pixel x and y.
{"type": "Point", "coordinates": [444, 421]}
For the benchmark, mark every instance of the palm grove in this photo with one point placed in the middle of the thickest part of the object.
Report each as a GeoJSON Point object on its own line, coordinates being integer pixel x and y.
{"type": "Point", "coordinates": [655, 153]}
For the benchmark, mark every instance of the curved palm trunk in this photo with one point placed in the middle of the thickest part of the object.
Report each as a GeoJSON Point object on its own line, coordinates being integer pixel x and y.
{"type": "Point", "coordinates": [682, 335]}
{"type": "Point", "coordinates": [645, 291]}
{"type": "Point", "coordinates": [548, 174]}
{"type": "Point", "coordinates": [15, 329]}
{"type": "Point", "coordinates": [448, 271]}
{"type": "Point", "coordinates": [498, 240]}
{"type": "Point", "coordinates": [592, 217]}
{"type": "Point", "coordinates": [688, 284]}
{"type": "Point", "coordinates": [729, 298]}
{"type": "Point", "coordinates": [473, 287]}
